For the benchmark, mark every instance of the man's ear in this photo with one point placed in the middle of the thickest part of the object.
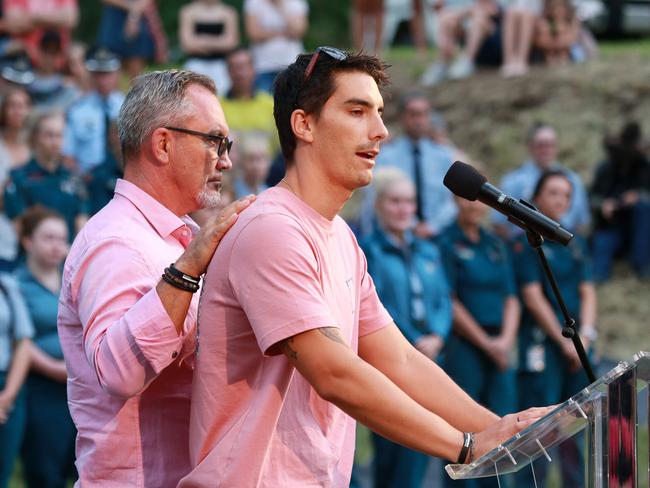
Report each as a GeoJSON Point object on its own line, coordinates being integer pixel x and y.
{"type": "Point", "coordinates": [302, 125]}
{"type": "Point", "coordinates": [161, 145]}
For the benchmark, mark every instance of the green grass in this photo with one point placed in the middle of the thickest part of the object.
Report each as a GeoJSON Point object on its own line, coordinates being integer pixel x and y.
{"type": "Point", "coordinates": [628, 46]}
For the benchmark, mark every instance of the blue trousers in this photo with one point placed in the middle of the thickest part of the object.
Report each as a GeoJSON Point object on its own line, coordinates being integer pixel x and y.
{"type": "Point", "coordinates": [553, 385]}
{"type": "Point", "coordinates": [633, 230]}
{"type": "Point", "coordinates": [396, 466]}
{"type": "Point", "coordinates": [479, 377]}
{"type": "Point", "coordinates": [11, 436]}
{"type": "Point", "coordinates": [48, 451]}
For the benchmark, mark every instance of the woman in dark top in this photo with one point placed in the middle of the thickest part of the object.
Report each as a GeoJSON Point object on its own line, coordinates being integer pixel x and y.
{"type": "Point", "coordinates": [620, 199]}
{"type": "Point", "coordinates": [48, 448]}
{"type": "Point", "coordinates": [549, 367]}
{"type": "Point", "coordinates": [485, 316]}
{"type": "Point", "coordinates": [208, 31]}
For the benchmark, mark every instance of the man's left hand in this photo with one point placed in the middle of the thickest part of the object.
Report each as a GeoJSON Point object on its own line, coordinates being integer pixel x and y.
{"type": "Point", "coordinates": [194, 261]}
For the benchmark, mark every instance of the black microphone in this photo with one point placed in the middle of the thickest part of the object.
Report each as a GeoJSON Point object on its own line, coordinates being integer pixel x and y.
{"type": "Point", "coordinates": [463, 180]}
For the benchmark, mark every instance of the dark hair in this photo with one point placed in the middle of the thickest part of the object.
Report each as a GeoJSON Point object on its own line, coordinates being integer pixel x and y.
{"type": "Point", "coordinates": [408, 97]}
{"type": "Point", "coordinates": [5, 103]}
{"type": "Point", "coordinates": [625, 151]}
{"type": "Point", "coordinates": [552, 173]}
{"type": "Point", "coordinates": [292, 91]}
{"type": "Point", "coordinates": [630, 134]}
{"type": "Point", "coordinates": [33, 217]}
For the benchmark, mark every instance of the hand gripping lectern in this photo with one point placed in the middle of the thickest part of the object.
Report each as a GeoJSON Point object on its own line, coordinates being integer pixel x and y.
{"type": "Point", "coordinates": [607, 409]}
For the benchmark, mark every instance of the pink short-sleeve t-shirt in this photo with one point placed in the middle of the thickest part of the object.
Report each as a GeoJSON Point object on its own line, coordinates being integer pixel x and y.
{"type": "Point", "coordinates": [281, 270]}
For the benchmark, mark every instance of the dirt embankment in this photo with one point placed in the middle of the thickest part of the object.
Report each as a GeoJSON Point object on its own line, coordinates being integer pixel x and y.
{"type": "Point", "coordinates": [488, 118]}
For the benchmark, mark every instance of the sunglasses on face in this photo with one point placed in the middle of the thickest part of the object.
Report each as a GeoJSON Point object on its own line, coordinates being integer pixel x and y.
{"type": "Point", "coordinates": [221, 143]}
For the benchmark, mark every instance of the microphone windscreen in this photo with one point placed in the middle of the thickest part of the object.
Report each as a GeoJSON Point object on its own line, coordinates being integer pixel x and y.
{"type": "Point", "coordinates": [463, 180]}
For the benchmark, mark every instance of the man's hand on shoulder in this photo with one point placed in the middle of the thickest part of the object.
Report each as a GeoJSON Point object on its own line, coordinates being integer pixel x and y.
{"type": "Point", "coordinates": [194, 261]}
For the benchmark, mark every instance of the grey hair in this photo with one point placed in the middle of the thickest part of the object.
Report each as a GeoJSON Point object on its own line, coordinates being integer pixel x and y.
{"type": "Point", "coordinates": [385, 178]}
{"type": "Point", "coordinates": [155, 99]}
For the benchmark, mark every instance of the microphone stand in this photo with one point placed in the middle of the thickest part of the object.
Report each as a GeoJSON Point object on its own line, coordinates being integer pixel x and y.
{"type": "Point", "coordinates": [569, 330]}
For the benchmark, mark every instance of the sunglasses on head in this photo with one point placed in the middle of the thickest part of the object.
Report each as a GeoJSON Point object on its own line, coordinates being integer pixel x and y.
{"type": "Point", "coordinates": [332, 52]}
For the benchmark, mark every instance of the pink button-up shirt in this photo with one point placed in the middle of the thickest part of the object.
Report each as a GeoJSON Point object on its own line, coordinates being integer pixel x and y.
{"type": "Point", "coordinates": [129, 372]}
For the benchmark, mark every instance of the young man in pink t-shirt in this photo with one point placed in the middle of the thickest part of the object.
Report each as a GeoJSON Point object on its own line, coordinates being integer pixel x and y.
{"type": "Point", "coordinates": [293, 341]}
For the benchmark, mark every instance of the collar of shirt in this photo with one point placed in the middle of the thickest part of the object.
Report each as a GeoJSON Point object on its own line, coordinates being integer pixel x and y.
{"type": "Point", "coordinates": [457, 234]}
{"type": "Point", "coordinates": [533, 167]}
{"type": "Point", "coordinates": [390, 243]}
{"type": "Point", "coordinates": [160, 217]}
{"type": "Point", "coordinates": [32, 168]}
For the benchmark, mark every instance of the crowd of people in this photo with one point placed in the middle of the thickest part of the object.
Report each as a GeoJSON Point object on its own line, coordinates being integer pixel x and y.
{"type": "Point", "coordinates": [485, 33]}
{"type": "Point", "coordinates": [461, 284]}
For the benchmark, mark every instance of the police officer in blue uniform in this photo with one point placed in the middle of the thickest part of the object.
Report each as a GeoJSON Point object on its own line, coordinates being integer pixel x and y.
{"type": "Point", "coordinates": [44, 180]}
{"type": "Point", "coordinates": [410, 281]}
{"type": "Point", "coordinates": [486, 315]}
{"type": "Point", "coordinates": [49, 442]}
{"type": "Point", "coordinates": [88, 120]}
{"type": "Point", "coordinates": [549, 367]}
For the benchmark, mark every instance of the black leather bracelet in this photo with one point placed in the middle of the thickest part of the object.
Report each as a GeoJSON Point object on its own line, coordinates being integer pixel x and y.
{"type": "Point", "coordinates": [470, 459]}
{"type": "Point", "coordinates": [179, 283]}
{"type": "Point", "coordinates": [468, 439]}
{"type": "Point", "coordinates": [174, 271]}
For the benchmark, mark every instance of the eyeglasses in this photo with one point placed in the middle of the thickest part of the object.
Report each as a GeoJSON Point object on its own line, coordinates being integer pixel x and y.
{"type": "Point", "coordinates": [221, 143]}
{"type": "Point", "coordinates": [332, 52]}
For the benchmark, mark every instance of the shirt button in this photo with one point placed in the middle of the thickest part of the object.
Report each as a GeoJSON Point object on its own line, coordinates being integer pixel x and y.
{"type": "Point", "coordinates": [184, 232]}
{"type": "Point", "coordinates": [174, 354]}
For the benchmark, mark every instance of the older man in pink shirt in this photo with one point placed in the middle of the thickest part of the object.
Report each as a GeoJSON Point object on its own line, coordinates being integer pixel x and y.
{"type": "Point", "coordinates": [128, 336]}
{"type": "Point", "coordinates": [293, 342]}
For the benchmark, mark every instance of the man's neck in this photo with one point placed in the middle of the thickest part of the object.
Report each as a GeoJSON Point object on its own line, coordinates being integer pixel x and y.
{"type": "Point", "coordinates": [151, 183]}
{"type": "Point", "coordinates": [543, 166]}
{"type": "Point", "coordinates": [311, 188]}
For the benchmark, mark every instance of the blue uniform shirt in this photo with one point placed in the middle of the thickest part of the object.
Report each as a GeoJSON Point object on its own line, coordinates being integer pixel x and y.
{"type": "Point", "coordinates": [15, 323]}
{"type": "Point", "coordinates": [42, 305]}
{"type": "Point", "coordinates": [101, 182]}
{"type": "Point", "coordinates": [411, 284]}
{"type": "Point", "coordinates": [59, 190]}
{"type": "Point", "coordinates": [85, 138]}
{"type": "Point", "coordinates": [571, 266]}
{"type": "Point", "coordinates": [438, 207]}
{"type": "Point", "coordinates": [521, 183]}
{"type": "Point", "coordinates": [479, 273]}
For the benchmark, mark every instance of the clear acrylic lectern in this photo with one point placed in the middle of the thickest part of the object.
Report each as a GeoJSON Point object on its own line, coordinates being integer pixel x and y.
{"type": "Point", "coordinates": [607, 409]}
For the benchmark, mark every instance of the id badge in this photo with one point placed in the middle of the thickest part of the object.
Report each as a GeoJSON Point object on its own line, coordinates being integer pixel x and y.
{"type": "Point", "coordinates": [535, 358]}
